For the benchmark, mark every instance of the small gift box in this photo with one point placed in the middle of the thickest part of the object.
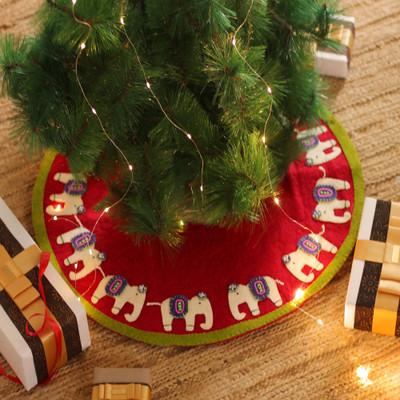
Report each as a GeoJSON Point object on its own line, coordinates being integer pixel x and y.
{"type": "Point", "coordinates": [332, 62]}
{"type": "Point", "coordinates": [373, 297]}
{"type": "Point", "coordinates": [42, 323]}
{"type": "Point", "coordinates": [121, 384]}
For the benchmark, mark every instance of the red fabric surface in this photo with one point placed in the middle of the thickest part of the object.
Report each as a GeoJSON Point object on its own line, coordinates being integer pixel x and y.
{"type": "Point", "coordinates": [211, 258]}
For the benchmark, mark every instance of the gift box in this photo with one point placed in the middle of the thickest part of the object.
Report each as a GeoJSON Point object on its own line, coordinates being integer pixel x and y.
{"type": "Point", "coordinates": [332, 62]}
{"type": "Point", "coordinates": [373, 297]}
{"type": "Point", "coordinates": [34, 350]}
{"type": "Point", "coordinates": [121, 384]}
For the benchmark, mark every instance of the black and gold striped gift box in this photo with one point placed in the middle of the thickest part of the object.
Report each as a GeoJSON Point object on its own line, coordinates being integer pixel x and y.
{"type": "Point", "coordinates": [33, 357]}
{"type": "Point", "coordinates": [373, 297]}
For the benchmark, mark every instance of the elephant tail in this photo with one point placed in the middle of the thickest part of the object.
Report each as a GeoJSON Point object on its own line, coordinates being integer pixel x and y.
{"type": "Point", "coordinates": [323, 171]}
{"type": "Point", "coordinates": [153, 304]}
{"type": "Point", "coordinates": [322, 230]}
{"type": "Point", "coordinates": [279, 282]}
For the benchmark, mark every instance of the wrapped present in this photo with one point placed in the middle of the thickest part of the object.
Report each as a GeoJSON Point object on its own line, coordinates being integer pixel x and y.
{"type": "Point", "coordinates": [373, 297]}
{"type": "Point", "coordinates": [42, 323]}
{"type": "Point", "coordinates": [332, 62]}
{"type": "Point", "coordinates": [121, 384]}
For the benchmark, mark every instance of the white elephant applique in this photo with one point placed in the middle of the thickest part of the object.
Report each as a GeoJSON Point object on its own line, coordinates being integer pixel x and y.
{"type": "Point", "coordinates": [70, 200]}
{"type": "Point", "coordinates": [315, 149]}
{"type": "Point", "coordinates": [117, 287]}
{"type": "Point", "coordinates": [258, 289]}
{"type": "Point", "coordinates": [308, 249]}
{"type": "Point", "coordinates": [181, 307]}
{"type": "Point", "coordinates": [325, 194]}
{"type": "Point", "coordinates": [83, 242]}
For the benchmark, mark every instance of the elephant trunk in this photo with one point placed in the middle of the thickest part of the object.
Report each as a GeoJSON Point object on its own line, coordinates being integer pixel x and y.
{"type": "Point", "coordinates": [234, 307]}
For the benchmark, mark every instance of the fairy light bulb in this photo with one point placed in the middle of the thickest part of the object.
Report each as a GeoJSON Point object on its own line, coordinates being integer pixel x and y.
{"type": "Point", "coordinates": [189, 136]}
{"type": "Point", "coordinates": [299, 294]}
{"type": "Point", "coordinates": [130, 167]}
{"type": "Point", "coordinates": [94, 111]}
{"type": "Point", "coordinates": [122, 21]}
{"type": "Point", "coordinates": [55, 218]}
{"type": "Point", "coordinates": [107, 209]}
{"type": "Point", "coordinates": [73, 2]}
{"type": "Point", "coordinates": [234, 42]}
{"type": "Point", "coordinates": [83, 46]}
{"type": "Point", "coordinates": [76, 266]}
{"type": "Point", "coordinates": [91, 252]}
{"type": "Point", "coordinates": [58, 207]}
{"type": "Point", "coordinates": [276, 200]}
{"type": "Point", "coordinates": [263, 139]}
{"type": "Point", "coordinates": [148, 85]}
{"type": "Point", "coordinates": [320, 322]}
{"type": "Point", "coordinates": [362, 373]}
{"type": "Point", "coordinates": [201, 188]}
{"type": "Point", "coordinates": [269, 90]}
{"type": "Point", "coordinates": [181, 223]}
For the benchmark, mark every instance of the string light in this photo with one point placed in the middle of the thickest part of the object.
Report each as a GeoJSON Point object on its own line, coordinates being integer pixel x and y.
{"type": "Point", "coordinates": [104, 131]}
{"type": "Point", "coordinates": [170, 120]}
{"type": "Point", "coordinates": [55, 218]}
{"type": "Point", "coordinates": [276, 200]}
{"type": "Point", "coordinates": [362, 373]}
{"type": "Point", "coordinates": [299, 294]}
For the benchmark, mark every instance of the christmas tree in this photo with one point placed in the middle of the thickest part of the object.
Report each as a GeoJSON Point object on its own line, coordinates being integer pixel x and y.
{"type": "Point", "coordinates": [187, 109]}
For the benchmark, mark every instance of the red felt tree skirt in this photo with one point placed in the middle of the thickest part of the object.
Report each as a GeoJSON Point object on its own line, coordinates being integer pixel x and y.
{"type": "Point", "coordinates": [220, 264]}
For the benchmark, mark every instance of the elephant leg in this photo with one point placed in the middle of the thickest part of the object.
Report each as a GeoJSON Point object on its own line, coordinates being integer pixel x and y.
{"type": "Point", "coordinates": [340, 219]}
{"type": "Point", "coordinates": [63, 177]}
{"type": "Point", "coordinates": [341, 204]}
{"type": "Point", "coordinates": [118, 304]}
{"type": "Point", "coordinates": [67, 236]}
{"type": "Point", "coordinates": [100, 291]}
{"type": "Point", "coordinates": [190, 321]}
{"type": "Point", "coordinates": [80, 274]}
{"type": "Point", "coordinates": [327, 144]}
{"type": "Point", "coordinates": [300, 275]}
{"type": "Point", "coordinates": [253, 306]}
{"type": "Point", "coordinates": [167, 319]}
{"type": "Point", "coordinates": [336, 151]}
{"type": "Point", "coordinates": [325, 244]}
{"type": "Point", "coordinates": [58, 197]}
{"type": "Point", "coordinates": [338, 184]}
{"type": "Point", "coordinates": [314, 263]}
{"type": "Point", "coordinates": [73, 258]}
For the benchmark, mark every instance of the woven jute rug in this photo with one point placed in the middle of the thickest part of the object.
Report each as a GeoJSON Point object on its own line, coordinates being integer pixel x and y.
{"type": "Point", "coordinates": [294, 358]}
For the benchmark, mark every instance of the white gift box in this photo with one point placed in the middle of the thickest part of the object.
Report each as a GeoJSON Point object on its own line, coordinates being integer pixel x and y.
{"type": "Point", "coordinates": [332, 63]}
{"type": "Point", "coordinates": [19, 350]}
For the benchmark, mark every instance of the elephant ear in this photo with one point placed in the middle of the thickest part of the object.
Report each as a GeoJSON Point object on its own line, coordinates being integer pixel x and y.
{"type": "Point", "coordinates": [201, 295]}
{"type": "Point", "coordinates": [232, 287]}
{"type": "Point", "coordinates": [142, 288]}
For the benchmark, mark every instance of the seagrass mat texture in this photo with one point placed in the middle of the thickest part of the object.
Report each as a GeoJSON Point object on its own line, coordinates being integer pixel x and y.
{"type": "Point", "coordinates": [294, 358]}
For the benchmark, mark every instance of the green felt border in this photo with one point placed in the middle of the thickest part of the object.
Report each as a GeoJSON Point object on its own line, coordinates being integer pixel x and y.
{"type": "Point", "coordinates": [239, 328]}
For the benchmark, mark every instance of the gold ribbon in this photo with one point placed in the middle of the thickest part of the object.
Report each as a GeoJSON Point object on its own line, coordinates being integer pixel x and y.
{"type": "Point", "coordinates": [388, 254]}
{"type": "Point", "coordinates": [342, 32]}
{"type": "Point", "coordinates": [28, 300]}
{"type": "Point", "coordinates": [126, 391]}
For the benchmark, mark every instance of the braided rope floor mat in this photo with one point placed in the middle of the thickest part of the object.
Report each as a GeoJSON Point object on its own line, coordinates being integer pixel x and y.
{"type": "Point", "coordinates": [294, 358]}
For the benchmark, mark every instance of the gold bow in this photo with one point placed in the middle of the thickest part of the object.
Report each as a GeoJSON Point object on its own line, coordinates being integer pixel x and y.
{"type": "Point", "coordinates": [28, 300]}
{"type": "Point", "coordinates": [128, 391]}
{"type": "Point", "coordinates": [342, 32]}
{"type": "Point", "coordinates": [388, 254]}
